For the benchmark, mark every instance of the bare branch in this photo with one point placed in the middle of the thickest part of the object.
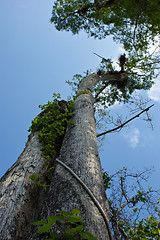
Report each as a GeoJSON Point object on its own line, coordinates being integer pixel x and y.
{"type": "Point", "coordinates": [123, 124]}
{"type": "Point", "coordinates": [100, 56]}
{"type": "Point", "coordinates": [140, 105]}
{"type": "Point", "coordinates": [115, 222]}
{"type": "Point", "coordinates": [96, 97]}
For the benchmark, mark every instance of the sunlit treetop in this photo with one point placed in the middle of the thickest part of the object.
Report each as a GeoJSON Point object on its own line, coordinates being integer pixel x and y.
{"type": "Point", "coordinates": [134, 23]}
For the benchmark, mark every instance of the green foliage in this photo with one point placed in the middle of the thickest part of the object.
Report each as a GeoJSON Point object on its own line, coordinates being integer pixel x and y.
{"type": "Point", "coordinates": [50, 126]}
{"type": "Point", "coordinates": [106, 93]}
{"type": "Point", "coordinates": [148, 228]}
{"type": "Point", "coordinates": [106, 66]}
{"type": "Point", "coordinates": [145, 229]}
{"type": "Point", "coordinates": [77, 79]}
{"type": "Point", "coordinates": [135, 24]}
{"type": "Point", "coordinates": [39, 181]}
{"type": "Point", "coordinates": [132, 23]}
{"type": "Point", "coordinates": [71, 222]}
{"type": "Point", "coordinates": [129, 203]}
{"type": "Point", "coordinates": [81, 92]}
{"type": "Point", "coordinates": [107, 180]}
{"type": "Point", "coordinates": [140, 72]}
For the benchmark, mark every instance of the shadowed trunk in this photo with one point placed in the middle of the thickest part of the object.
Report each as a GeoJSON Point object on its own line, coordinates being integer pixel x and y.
{"type": "Point", "coordinates": [22, 203]}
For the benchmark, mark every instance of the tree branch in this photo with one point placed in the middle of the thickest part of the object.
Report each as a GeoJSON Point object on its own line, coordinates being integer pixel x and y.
{"type": "Point", "coordinates": [96, 97]}
{"type": "Point", "coordinates": [100, 56]}
{"type": "Point", "coordinates": [123, 124]}
{"type": "Point", "coordinates": [113, 220]}
{"type": "Point", "coordinates": [109, 77]}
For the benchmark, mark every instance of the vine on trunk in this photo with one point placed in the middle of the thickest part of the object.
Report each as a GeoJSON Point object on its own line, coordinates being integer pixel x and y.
{"type": "Point", "coordinates": [50, 125]}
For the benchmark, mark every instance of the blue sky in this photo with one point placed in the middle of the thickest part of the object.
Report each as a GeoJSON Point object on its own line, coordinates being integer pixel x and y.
{"type": "Point", "coordinates": [35, 61]}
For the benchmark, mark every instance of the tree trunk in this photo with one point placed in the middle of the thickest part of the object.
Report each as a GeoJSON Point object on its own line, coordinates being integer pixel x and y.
{"type": "Point", "coordinates": [22, 203]}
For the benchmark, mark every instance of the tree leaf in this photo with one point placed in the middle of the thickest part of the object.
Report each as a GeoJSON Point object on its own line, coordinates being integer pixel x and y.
{"type": "Point", "coordinates": [78, 228]}
{"type": "Point", "coordinates": [39, 222]}
{"type": "Point", "coordinates": [74, 219]}
{"type": "Point", "coordinates": [87, 235]}
{"type": "Point", "coordinates": [52, 219]}
{"type": "Point", "coordinates": [75, 211]}
{"type": "Point", "coordinates": [44, 228]}
{"type": "Point", "coordinates": [64, 213]}
{"type": "Point", "coordinates": [59, 218]}
{"type": "Point", "coordinates": [55, 236]}
{"type": "Point", "coordinates": [67, 230]}
{"type": "Point", "coordinates": [69, 237]}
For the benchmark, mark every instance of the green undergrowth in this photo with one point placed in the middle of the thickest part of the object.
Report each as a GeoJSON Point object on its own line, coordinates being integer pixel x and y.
{"type": "Point", "coordinates": [50, 126]}
{"type": "Point", "coordinates": [71, 222]}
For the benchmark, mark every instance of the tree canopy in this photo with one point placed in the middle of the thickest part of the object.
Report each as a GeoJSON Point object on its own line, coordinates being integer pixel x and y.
{"type": "Point", "coordinates": [135, 24]}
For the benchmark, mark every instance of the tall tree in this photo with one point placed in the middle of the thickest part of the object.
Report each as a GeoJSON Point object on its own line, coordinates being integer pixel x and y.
{"type": "Point", "coordinates": [68, 174]}
{"type": "Point", "coordinates": [25, 204]}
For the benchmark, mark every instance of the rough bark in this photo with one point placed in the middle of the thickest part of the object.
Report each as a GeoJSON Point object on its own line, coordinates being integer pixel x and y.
{"type": "Point", "coordinates": [16, 192]}
{"type": "Point", "coordinates": [22, 203]}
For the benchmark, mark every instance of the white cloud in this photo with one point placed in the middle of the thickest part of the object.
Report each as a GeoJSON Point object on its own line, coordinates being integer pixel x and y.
{"type": "Point", "coordinates": [154, 92]}
{"type": "Point", "coordinates": [132, 136]}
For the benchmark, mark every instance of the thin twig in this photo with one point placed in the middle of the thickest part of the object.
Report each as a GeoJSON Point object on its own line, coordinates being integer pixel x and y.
{"type": "Point", "coordinates": [123, 124]}
{"type": "Point", "coordinates": [100, 56]}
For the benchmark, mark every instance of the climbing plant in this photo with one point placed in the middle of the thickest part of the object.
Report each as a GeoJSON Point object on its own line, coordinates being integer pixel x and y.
{"type": "Point", "coordinates": [50, 126]}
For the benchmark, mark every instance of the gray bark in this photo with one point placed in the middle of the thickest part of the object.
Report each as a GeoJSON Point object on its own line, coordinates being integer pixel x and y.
{"type": "Point", "coordinates": [22, 203]}
{"type": "Point", "coordinates": [16, 191]}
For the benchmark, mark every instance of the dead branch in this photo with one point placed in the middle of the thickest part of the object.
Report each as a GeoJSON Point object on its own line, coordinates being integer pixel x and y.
{"type": "Point", "coordinates": [123, 124]}
{"type": "Point", "coordinates": [100, 56]}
